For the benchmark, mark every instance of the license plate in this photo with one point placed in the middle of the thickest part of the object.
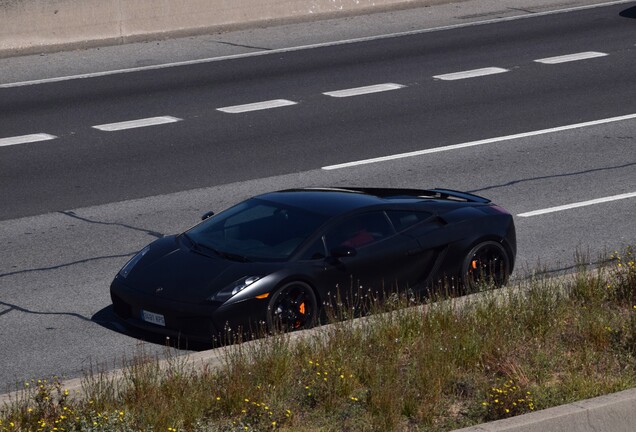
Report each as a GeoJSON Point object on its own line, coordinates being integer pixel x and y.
{"type": "Point", "coordinates": [153, 318]}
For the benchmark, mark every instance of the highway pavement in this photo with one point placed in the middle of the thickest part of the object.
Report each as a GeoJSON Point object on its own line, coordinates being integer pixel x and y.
{"type": "Point", "coordinates": [538, 114]}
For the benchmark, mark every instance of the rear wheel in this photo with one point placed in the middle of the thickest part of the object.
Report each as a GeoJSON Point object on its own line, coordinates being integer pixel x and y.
{"type": "Point", "coordinates": [486, 263]}
{"type": "Point", "coordinates": [292, 307]}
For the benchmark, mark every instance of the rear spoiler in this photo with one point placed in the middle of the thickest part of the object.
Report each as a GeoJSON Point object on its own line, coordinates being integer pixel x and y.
{"type": "Point", "coordinates": [457, 195]}
{"type": "Point", "coordinates": [446, 194]}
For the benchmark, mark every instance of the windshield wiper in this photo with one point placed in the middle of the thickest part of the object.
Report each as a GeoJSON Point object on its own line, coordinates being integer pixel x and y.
{"type": "Point", "coordinates": [193, 244]}
{"type": "Point", "coordinates": [197, 247]}
{"type": "Point", "coordinates": [233, 256]}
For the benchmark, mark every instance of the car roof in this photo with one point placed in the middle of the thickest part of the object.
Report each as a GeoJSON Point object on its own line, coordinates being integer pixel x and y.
{"type": "Point", "coordinates": [335, 201]}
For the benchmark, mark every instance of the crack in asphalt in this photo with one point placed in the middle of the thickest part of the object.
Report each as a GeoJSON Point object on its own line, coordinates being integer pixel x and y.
{"type": "Point", "coordinates": [498, 13]}
{"type": "Point", "coordinates": [243, 46]}
{"type": "Point", "coordinates": [522, 10]}
{"type": "Point", "coordinates": [130, 227]}
{"type": "Point", "coordinates": [73, 215]}
{"type": "Point", "coordinates": [17, 308]}
{"type": "Point", "coordinates": [66, 264]}
{"type": "Point", "coordinates": [551, 176]}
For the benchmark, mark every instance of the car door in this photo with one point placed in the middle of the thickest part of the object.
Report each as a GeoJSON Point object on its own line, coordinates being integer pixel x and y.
{"type": "Point", "coordinates": [382, 260]}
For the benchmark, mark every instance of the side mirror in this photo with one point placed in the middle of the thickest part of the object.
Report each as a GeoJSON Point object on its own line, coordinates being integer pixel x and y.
{"type": "Point", "coordinates": [343, 252]}
{"type": "Point", "coordinates": [207, 215]}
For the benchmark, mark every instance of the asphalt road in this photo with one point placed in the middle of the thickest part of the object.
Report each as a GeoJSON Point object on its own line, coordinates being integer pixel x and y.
{"type": "Point", "coordinates": [86, 166]}
{"type": "Point", "coordinates": [77, 205]}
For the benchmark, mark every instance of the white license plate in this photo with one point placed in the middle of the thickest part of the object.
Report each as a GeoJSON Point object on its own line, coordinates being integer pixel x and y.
{"type": "Point", "coordinates": [152, 317]}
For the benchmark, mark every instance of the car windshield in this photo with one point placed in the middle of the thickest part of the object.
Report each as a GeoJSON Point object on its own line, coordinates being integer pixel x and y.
{"type": "Point", "coordinates": [257, 230]}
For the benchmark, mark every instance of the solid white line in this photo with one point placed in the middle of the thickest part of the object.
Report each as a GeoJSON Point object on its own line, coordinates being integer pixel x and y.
{"type": "Point", "coordinates": [470, 73]}
{"type": "Point", "coordinates": [571, 57]}
{"type": "Point", "coordinates": [275, 103]}
{"type": "Point", "coordinates": [25, 139]}
{"type": "Point", "coordinates": [578, 204]}
{"type": "Point", "coordinates": [480, 142]}
{"type": "Point", "coordinates": [132, 124]}
{"type": "Point", "coordinates": [357, 91]}
{"type": "Point", "coordinates": [311, 46]}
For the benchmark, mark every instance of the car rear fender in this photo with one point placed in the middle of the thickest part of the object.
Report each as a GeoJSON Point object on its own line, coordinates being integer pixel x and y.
{"type": "Point", "coordinates": [450, 261]}
{"type": "Point", "coordinates": [454, 230]}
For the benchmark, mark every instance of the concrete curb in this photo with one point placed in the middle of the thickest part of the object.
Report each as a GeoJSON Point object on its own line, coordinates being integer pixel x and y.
{"type": "Point", "coordinates": [28, 26]}
{"type": "Point", "coordinates": [614, 412]}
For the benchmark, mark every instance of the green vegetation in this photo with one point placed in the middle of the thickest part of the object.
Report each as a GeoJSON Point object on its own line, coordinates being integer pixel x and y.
{"type": "Point", "coordinates": [451, 364]}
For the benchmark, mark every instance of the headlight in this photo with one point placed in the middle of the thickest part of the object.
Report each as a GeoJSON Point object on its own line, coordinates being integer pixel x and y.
{"type": "Point", "coordinates": [233, 289]}
{"type": "Point", "coordinates": [244, 283]}
{"type": "Point", "coordinates": [125, 270]}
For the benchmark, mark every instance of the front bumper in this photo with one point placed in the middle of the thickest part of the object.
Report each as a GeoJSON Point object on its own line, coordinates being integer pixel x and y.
{"type": "Point", "coordinates": [207, 322]}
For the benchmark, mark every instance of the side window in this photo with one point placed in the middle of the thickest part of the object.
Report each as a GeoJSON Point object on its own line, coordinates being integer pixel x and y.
{"type": "Point", "coordinates": [315, 252]}
{"type": "Point", "coordinates": [359, 231]}
{"type": "Point", "coordinates": [401, 219]}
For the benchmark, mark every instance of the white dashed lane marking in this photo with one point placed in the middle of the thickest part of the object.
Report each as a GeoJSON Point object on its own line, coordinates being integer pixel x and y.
{"type": "Point", "coordinates": [25, 139]}
{"type": "Point", "coordinates": [571, 57]}
{"type": "Point", "coordinates": [343, 93]}
{"type": "Point", "coordinates": [471, 73]}
{"type": "Point", "coordinates": [132, 124]}
{"type": "Point", "coordinates": [275, 103]}
{"type": "Point", "coordinates": [578, 204]}
{"type": "Point", "coordinates": [357, 91]}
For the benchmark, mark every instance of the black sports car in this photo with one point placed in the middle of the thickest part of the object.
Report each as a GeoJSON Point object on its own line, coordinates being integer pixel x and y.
{"type": "Point", "coordinates": [275, 259]}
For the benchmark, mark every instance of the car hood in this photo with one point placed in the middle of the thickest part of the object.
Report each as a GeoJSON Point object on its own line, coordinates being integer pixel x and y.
{"type": "Point", "coordinates": [174, 271]}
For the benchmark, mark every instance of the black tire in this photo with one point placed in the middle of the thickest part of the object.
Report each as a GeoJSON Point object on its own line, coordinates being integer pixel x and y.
{"type": "Point", "coordinates": [292, 307]}
{"type": "Point", "coordinates": [486, 263]}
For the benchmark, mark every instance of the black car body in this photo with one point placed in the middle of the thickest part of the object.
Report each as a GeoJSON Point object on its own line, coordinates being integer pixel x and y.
{"type": "Point", "coordinates": [275, 259]}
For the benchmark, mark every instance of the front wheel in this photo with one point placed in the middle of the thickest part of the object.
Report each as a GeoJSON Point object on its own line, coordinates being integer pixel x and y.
{"type": "Point", "coordinates": [486, 263]}
{"type": "Point", "coordinates": [292, 307]}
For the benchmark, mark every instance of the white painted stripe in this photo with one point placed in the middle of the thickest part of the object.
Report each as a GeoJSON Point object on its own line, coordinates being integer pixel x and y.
{"type": "Point", "coordinates": [357, 91]}
{"type": "Point", "coordinates": [25, 139]}
{"type": "Point", "coordinates": [480, 142]}
{"type": "Point", "coordinates": [311, 46]}
{"type": "Point", "coordinates": [132, 124]}
{"type": "Point", "coordinates": [571, 57]}
{"type": "Point", "coordinates": [578, 204]}
{"type": "Point", "coordinates": [470, 73]}
{"type": "Point", "coordinates": [275, 103]}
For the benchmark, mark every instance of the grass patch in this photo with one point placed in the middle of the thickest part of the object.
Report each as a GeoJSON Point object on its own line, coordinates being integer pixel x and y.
{"type": "Point", "coordinates": [450, 364]}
